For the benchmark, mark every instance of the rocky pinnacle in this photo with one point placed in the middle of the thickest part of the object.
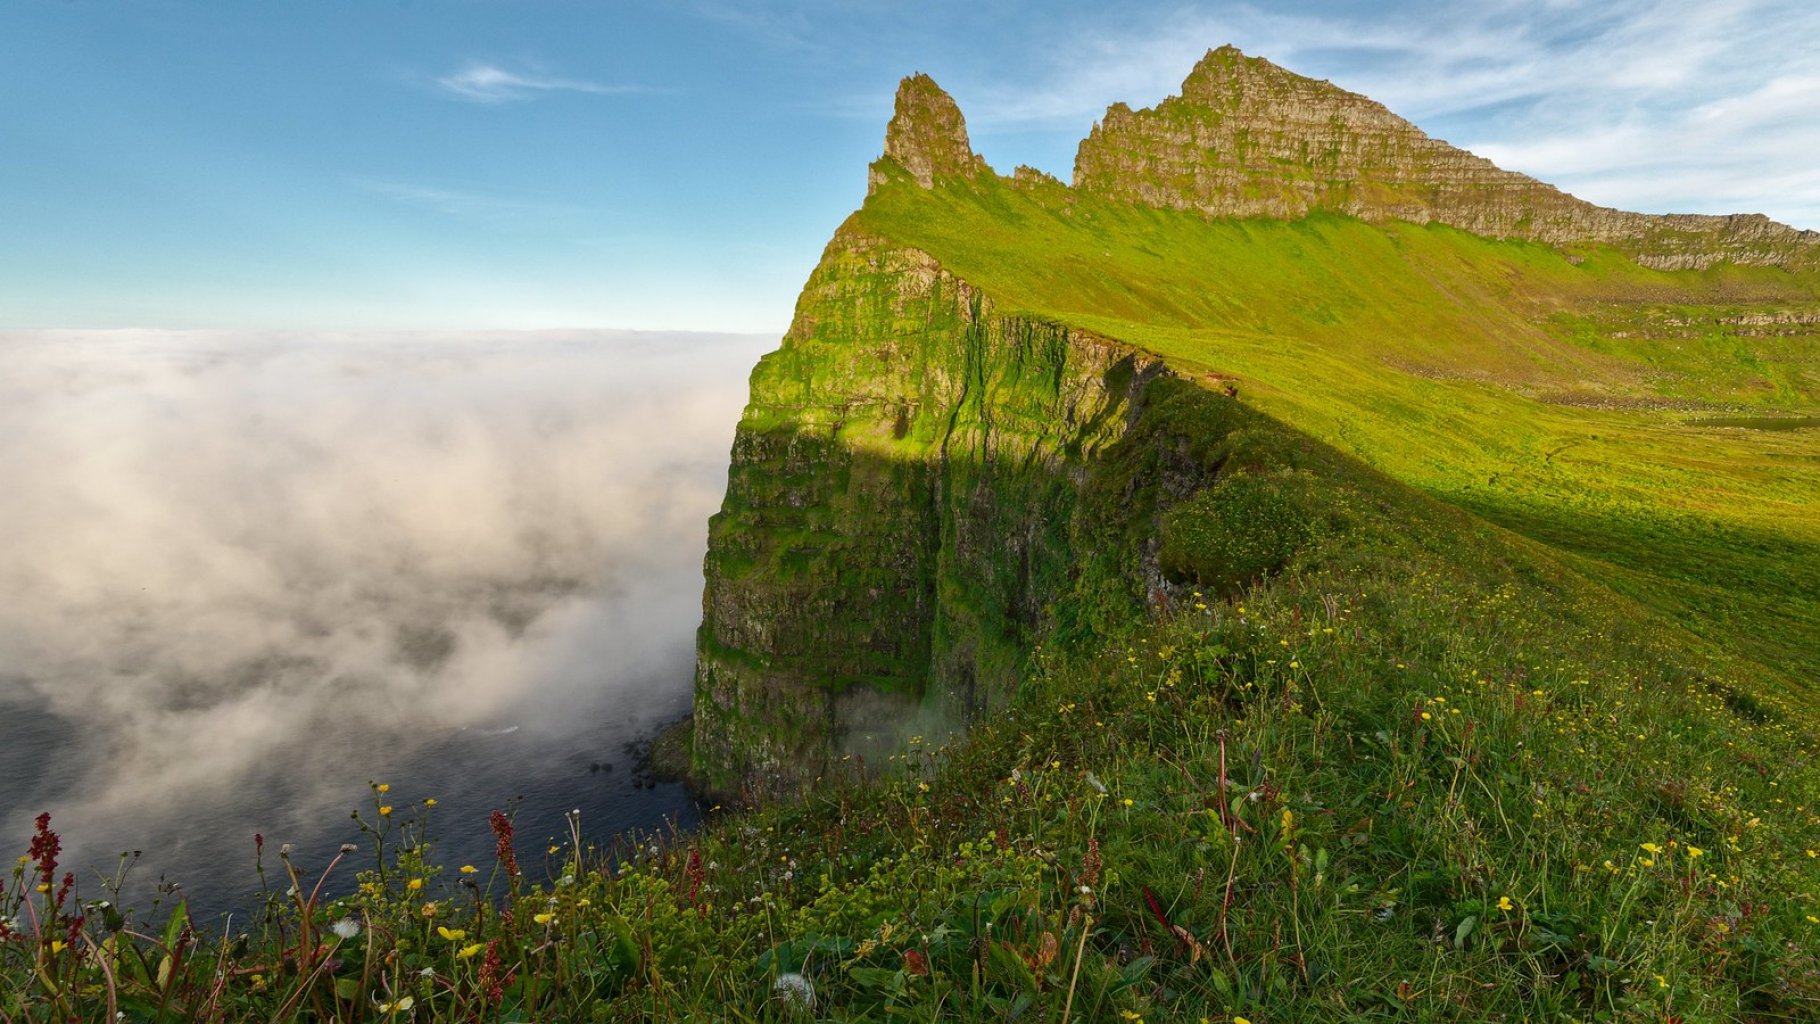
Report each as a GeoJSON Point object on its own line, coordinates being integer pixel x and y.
{"type": "Point", "coordinates": [927, 135]}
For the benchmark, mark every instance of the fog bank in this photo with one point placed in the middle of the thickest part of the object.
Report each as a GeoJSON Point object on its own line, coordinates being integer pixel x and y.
{"type": "Point", "coordinates": [240, 574]}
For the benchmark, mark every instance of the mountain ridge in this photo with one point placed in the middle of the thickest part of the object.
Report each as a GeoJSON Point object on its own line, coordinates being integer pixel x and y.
{"type": "Point", "coordinates": [1245, 137]}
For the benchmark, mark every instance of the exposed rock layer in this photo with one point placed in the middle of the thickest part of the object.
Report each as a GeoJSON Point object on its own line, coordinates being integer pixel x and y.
{"type": "Point", "coordinates": [1249, 139]}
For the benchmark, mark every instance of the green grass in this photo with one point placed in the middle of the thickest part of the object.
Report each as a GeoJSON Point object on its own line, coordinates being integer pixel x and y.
{"type": "Point", "coordinates": [1552, 396]}
{"type": "Point", "coordinates": [1506, 717]}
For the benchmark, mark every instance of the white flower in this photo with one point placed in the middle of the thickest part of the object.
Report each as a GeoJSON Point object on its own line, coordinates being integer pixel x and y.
{"type": "Point", "coordinates": [796, 989]}
{"type": "Point", "coordinates": [347, 928]}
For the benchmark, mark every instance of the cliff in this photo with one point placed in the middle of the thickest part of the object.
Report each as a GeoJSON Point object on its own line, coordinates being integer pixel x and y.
{"type": "Point", "coordinates": [904, 512]}
{"type": "Point", "coordinates": [960, 451]}
{"type": "Point", "coordinates": [1247, 138]}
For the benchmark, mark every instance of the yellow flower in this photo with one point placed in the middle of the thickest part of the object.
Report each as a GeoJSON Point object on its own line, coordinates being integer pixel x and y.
{"type": "Point", "coordinates": [403, 1004]}
{"type": "Point", "coordinates": [1241, 1020]}
{"type": "Point", "coordinates": [468, 869]}
{"type": "Point", "coordinates": [1652, 848]}
{"type": "Point", "coordinates": [543, 918]}
{"type": "Point", "coordinates": [386, 811]}
{"type": "Point", "coordinates": [451, 934]}
{"type": "Point", "coordinates": [467, 951]}
{"type": "Point", "coordinates": [56, 946]}
{"type": "Point", "coordinates": [414, 884]}
{"type": "Point", "coordinates": [384, 787]}
{"type": "Point", "coordinates": [429, 801]}
{"type": "Point", "coordinates": [429, 909]}
{"type": "Point", "coordinates": [1128, 801]}
{"type": "Point", "coordinates": [1426, 716]}
{"type": "Point", "coordinates": [1694, 852]}
{"type": "Point", "coordinates": [1504, 903]}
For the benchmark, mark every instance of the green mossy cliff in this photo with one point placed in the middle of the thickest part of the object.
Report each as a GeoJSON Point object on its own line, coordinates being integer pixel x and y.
{"type": "Point", "coordinates": [904, 512]}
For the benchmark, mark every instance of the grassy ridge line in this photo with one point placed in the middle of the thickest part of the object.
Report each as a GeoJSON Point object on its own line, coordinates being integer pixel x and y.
{"type": "Point", "coordinates": [1467, 368]}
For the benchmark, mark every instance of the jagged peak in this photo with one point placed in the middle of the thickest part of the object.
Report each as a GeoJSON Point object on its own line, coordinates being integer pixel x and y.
{"type": "Point", "coordinates": [927, 135]}
{"type": "Point", "coordinates": [1248, 138]}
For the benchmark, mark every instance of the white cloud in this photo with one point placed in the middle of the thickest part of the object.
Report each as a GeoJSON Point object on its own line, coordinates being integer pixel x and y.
{"type": "Point", "coordinates": [1691, 105]}
{"type": "Point", "coordinates": [243, 569]}
{"type": "Point", "coordinates": [483, 82]}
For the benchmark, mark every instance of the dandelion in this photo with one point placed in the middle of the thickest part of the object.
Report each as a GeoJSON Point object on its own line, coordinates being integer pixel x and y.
{"type": "Point", "coordinates": [794, 989]}
{"type": "Point", "coordinates": [346, 928]}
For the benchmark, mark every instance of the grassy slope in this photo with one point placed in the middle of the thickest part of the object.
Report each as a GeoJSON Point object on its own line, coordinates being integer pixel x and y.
{"type": "Point", "coordinates": [1428, 771]}
{"type": "Point", "coordinates": [1492, 375]}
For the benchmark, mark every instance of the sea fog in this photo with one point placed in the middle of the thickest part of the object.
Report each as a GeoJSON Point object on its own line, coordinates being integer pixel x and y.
{"type": "Point", "coordinates": [244, 575]}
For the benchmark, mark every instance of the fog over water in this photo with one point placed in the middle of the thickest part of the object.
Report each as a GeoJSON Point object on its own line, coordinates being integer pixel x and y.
{"type": "Point", "coordinates": [241, 575]}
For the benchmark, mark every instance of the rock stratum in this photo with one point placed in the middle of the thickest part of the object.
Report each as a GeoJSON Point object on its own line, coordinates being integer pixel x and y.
{"type": "Point", "coordinates": [1247, 138]}
{"type": "Point", "coordinates": [929, 481]}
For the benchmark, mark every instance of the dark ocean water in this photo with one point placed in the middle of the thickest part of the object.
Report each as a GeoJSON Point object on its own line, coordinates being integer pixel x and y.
{"type": "Point", "coordinates": [242, 577]}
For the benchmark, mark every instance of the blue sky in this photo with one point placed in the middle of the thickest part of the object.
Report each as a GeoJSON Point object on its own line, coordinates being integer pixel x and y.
{"type": "Point", "coordinates": [541, 163]}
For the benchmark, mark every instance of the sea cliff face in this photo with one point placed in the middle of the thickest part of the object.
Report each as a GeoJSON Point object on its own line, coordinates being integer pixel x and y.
{"type": "Point", "coordinates": [903, 511]}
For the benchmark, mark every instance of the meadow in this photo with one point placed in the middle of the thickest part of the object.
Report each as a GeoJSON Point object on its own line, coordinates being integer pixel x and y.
{"type": "Point", "coordinates": [1489, 699]}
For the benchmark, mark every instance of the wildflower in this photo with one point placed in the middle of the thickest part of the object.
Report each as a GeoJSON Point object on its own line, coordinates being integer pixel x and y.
{"type": "Point", "coordinates": [1129, 1015]}
{"type": "Point", "coordinates": [400, 1005]}
{"type": "Point", "coordinates": [383, 787]}
{"type": "Point", "coordinates": [1241, 1020]}
{"type": "Point", "coordinates": [429, 801]}
{"type": "Point", "coordinates": [1694, 852]}
{"type": "Point", "coordinates": [385, 811]}
{"type": "Point", "coordinates": [468, 869]}
{"type": "Point", "coordinates": [1651, 848]}
{"type": "Point", "coordinates": [57, 946]}
{"type": "Point", "coordinates": [430, 909]}
{"type": "Point", "coordinates": [346, 928]}
{"type": "Point", "coordinates": [795, 989]}
{"type": "Point", "coordinates": [1128, 801]}
{"type": "Point", "coordinates": [451, 934]}
{"type": "Point", "coordinates": [1504, 903]}
{"type": "Point", "coordinates": [543, 918]}
{"type": "Point", "coordinates": [467, 951]}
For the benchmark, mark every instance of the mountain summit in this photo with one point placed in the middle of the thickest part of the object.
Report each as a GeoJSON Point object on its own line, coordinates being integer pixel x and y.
{"type": "Point", "coordinates": [927, 135]}
{"type": "Point", "coordinates": [1247, 138]}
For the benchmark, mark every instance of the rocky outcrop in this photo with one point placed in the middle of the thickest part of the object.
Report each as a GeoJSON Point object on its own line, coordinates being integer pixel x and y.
{"type": "Point", "coordinates": [1247, 138]}
{"type": "Point", "coordinates": [927, 135]}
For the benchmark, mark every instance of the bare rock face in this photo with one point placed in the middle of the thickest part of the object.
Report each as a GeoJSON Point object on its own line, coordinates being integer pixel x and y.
{"type": "Point", "coordinates": [1247, 138]}
{"type": "Point", "coordinates": [927, 135]}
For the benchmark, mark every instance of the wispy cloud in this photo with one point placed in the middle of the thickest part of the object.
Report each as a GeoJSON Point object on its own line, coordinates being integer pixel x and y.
{"type": "Point", "coordinates": [486, 82]}
{"type": "Point", "coordinates": [470, 203]}
{"type": "Point", "coordinates": [1655, 104]}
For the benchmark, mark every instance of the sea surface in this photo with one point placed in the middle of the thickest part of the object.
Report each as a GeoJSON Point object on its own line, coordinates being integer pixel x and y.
{"type": "Point", "coordinates": [246, 577]}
